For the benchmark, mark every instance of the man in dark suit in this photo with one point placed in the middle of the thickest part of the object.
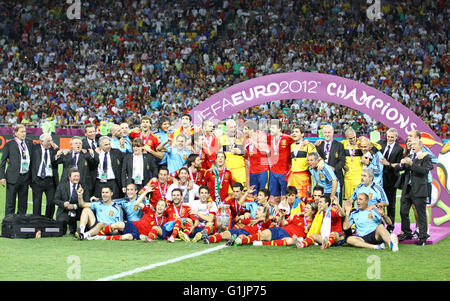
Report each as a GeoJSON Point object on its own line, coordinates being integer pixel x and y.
{"type": "Point", "coordinates": [44, 175]}
{"type": "Point", "coordinates": [77, 157]}
{"type": "Point", "coordinates": [18, 174]}
{"type": "Point", "coordinates": [108, 162]}
{"type": "Point", "coordinates": [332, 151]}
{"type": "Point", "coordinates": [415, 190]}
{"type": "Point", "coordinates": [138, 168]}
{"type": "Point", "coordinates": [66, 198]}
{"type": "Point", "coordinates": [392, 153]}
{"type": "Point", "coordinates": [90, 141]}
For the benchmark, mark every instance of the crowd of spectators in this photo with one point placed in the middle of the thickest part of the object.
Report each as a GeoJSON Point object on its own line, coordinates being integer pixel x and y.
{"type": "Point", "coordinates": [124, 59]}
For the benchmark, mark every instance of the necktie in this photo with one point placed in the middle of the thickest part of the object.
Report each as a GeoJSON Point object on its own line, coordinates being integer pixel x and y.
{"type": "Point", "coordinates": [44, 164]}
{"type": "Point", "coordinates": [414, 158]}
{"type": "Point", "coordinates": [74, 195]}
{"type": "Point", "coordinates": [386, 154]}
{"type": "Point", "coordinates": [22, 146]}
{"type": "Point", "coordinates": [74, 159]}
{"type": "Point", "coordinates": [93, 145]}
{"type": "Point", "coordinates": [105, 163]}
{"type": "Point", "coordinates": [327, 147]}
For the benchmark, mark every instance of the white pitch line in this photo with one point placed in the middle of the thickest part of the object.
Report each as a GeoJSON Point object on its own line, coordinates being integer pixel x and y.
{"type": "Point", "coordinates": [155, 265]}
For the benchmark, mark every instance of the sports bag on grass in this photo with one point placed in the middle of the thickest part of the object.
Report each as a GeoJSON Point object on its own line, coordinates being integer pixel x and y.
{"type": "Point", "coordinates": [30, 226]}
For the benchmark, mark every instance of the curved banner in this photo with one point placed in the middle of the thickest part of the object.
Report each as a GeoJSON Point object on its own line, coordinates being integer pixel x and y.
{"type": "Point", "coordinates": [333, 89]}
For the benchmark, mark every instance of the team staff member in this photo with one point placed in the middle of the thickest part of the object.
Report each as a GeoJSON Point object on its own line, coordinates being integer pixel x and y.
{"type": "Point", "coordinates": [369, 222]}
{"type": "Point", "coordinates": [17, 152]}
{"type": "Point", "coordinates": [392, 152]}
{"type": "Point", "coordinates": [332, 151]}
{"type": "Point", "coordinates": [77, 157]}
{"type": "Point", "coordinates": [44, 175]}
{"type": "Point", "coordinates": [66, 198]}
{"type": "Point", "coordinates": [90, 141]}
{"type": "Point", "coordinates": [109, 168]}
{"type": "Point", "coordinates": [138, 168]}
{"type": "Point", "coordinates": [415, 190]}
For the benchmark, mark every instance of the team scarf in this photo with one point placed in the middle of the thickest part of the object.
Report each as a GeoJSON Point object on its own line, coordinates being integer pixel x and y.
{"type": "Point", "coordinates": [216, 173]}
{"type": "Point", "coordinates": [316, 224]}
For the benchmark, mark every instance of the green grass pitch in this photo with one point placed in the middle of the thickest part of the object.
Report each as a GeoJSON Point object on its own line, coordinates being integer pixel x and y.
{"type": "Point", "coordinates": [65, 259]}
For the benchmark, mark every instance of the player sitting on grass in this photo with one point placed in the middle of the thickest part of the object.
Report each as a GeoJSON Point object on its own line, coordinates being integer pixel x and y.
{"type": "Point", "coordinates": [296, 225]}
{"type": "Point", "coordinates": [180, 217]}
{"type": "Point", "coordinates": [107, 212]}
{"type": "Point", "coordinates": [331, 230]}
{"type": "Point", "coordinates": [206, 212]}
{"type": "Point", "coordinates": [134, 230]}
{"type": "Point", "coordinates": [244, 227]}
{"type": "Point", "coordinates": [369, 222]}
{"type": "Point", "coordinates": [157, 224]}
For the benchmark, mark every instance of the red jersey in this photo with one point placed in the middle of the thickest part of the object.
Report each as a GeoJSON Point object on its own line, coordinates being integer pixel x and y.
{"type": "Point", "coordinates": [150, 139]}
{"type": "Point", "coordinates": [257, 153]}
{"type": "Point", "coordinates": [198, 177]}
{"type": "Point", "coordinates": [206, 164]}
{"type": "Point", "coordinates": [159, 191]}
{"type": "Point", "coordinates": [149, 220]}
{"type": "Point", "coordinates": [211, 143]}
{"type": "Point", "coordinates": [336, 221]}
{"type": "Point", "coordinates": [253, 229]}
{"type": "Point", "coordinates": [297, 225]}
{"type": "Point", "coordinates": [280, 153]}
{"type": "Point", "coordinates": [235, 208]}
{"type": "Point", "coordinates": [225, 181]}
{"type": "Point", "coordinates": [181, 211]}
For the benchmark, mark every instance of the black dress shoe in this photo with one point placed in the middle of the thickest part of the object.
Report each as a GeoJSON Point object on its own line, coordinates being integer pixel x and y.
{"type": "Point", "coordinates": [404, 236]}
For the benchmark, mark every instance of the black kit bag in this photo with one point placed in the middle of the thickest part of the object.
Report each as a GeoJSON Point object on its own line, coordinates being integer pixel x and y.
{"type": "Point", "coordinates": [30, 226]}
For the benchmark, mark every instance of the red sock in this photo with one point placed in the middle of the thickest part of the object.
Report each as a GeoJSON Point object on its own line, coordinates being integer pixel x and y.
{"type": "Point", "coordinates": [331, 240]}
{"type": "Point", "coordinates": [207, 229]}
{"type": "Point", "coordinates": [187, 228]}
{"type": "Point", "coordinates": [153, 234]}
{"type": "Point", "coordinates": [278, 242]}
{"type": "Point", "coordinates": [308, 241]}
{"type": "Point", "coordinates": [106, 230]}
{"type": "Point", "coordinates": [176, 228]}
{"type": "Point", "coordinates": [114, 237]}
{"type": "Point", "coordinates": [215, 238]}
{"type": "Point", "coordinates": [251, 238]}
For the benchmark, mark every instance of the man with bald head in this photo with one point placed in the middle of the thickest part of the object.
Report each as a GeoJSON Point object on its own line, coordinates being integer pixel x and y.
{"type": "Point", "coordinates": [118, 139]}
{"type": "Point", "coordinates": [372, 158]}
